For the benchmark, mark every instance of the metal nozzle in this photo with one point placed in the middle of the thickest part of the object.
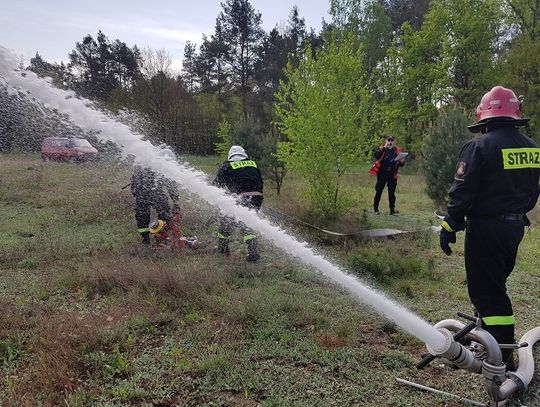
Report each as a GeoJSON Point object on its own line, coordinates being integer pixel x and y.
{"type": "Point", "coordinates": [456, 354]}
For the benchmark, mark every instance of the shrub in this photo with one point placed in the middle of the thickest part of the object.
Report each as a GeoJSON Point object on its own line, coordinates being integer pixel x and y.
{"type": "Point", "coordinates": [225, 140]}
{"type": "Point", "coordinates": [381, 264]}
{"type": "Point", "coordinates": [441, 152]}
{"type": "Point", "coordinates": [322, 109]}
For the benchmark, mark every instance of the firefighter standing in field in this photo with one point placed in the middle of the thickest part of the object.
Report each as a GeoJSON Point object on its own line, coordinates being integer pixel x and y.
{"type": "Point", "coordinates": [386, 169]}
{"type": "Point", "coordinates": [495, 185]}
{"type": "Point", "coordinates": [240, 176]}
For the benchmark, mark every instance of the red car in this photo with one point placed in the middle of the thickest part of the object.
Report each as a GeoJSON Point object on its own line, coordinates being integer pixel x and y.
{"type": "Point", "coordinates": [67, 149]}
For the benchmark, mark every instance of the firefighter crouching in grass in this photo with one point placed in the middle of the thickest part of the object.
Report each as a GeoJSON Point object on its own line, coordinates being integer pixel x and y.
{"type": "Point", "coordinates": [240, 176]}
{"type": "Point", "coordinates": [152, 190]}
{"type": "Point", "coordinates": [495, 185]}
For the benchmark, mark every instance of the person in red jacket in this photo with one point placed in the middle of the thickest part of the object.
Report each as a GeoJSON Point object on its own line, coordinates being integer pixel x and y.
{"type": "Point", "coordinates": [386, 168]}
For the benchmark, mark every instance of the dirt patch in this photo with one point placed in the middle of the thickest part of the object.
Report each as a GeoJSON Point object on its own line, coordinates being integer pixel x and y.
{"type": "Point", "coordinates": [55, 363]}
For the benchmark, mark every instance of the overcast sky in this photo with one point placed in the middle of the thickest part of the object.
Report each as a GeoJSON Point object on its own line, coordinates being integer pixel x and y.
{"type": "Point", "coordinates": [51, 27]}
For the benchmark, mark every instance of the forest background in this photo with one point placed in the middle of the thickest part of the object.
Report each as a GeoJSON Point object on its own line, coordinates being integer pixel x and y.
{"type": "Point", "coordinates": [315, 103]}
{"type": "Point", "coordinates": [91, 321]}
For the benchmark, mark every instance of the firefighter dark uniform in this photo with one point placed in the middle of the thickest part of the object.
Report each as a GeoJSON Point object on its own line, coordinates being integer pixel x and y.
{"type": "Point", "coordinates": [495, 185]}
{"type": "Point", "coordinates": [386, 168]}
{"type": "Point", "coordinates": [240, 176]}
{"type": "Point", "coordinates": [148, 189]}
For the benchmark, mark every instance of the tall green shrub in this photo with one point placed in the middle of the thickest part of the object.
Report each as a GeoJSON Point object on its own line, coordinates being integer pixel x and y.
{"type": "Point", "coordinates": [322, 110]}
{"type": "Point", "coordinates": [225, 139]}
{"type": "Point", "coordinates": [520, 73]}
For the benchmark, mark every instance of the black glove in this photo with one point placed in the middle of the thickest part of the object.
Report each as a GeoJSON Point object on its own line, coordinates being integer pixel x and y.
{"type": "Point", "coordinates": [445, 239]}
{"type": "Point", "coordinates": [449, 227]}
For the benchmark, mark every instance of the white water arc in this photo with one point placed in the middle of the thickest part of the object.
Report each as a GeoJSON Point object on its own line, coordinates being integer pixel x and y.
{"type": "Point", "coordinates": [195, 181]}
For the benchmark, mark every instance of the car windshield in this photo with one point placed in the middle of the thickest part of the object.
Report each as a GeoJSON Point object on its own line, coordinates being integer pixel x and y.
{"type": "Point", "coordinates": [80, 142]}
{"type": "Point", "coordinates": [57, 142]}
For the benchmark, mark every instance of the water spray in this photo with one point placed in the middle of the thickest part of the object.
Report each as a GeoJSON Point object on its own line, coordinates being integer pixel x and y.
{"type": "Point", "coordinates": [442, 340]}
{"type": "Point", "coordinates": [194, 181]}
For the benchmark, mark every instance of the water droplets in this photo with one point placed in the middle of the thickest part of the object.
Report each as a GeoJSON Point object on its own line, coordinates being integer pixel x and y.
{"type": "Point", "coordinates": [79, 115]}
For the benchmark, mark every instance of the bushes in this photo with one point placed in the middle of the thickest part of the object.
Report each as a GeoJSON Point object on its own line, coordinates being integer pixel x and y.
{"type": "Point", "coordinates": [395, 263]}
{"type": "Point", "coordinates": [384, 263]}
{"type": "Point", "coordinates": [441, 151]}
{"type": "Point", "coordinates": [322, 107]}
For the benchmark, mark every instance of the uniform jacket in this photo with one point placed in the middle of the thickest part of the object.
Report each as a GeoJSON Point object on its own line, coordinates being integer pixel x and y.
{"type": "Point", "coordinates": [144, 181]}
{"type": "Point", "coordinates": [385, 163]}
{"type": "Point", "coordinates": [497, 173]}
{"type": "Point", "coordinates": [240, 176]}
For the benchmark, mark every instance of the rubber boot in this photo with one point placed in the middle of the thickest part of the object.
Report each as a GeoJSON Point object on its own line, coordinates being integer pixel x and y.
{"type": "Point", "coordinates": [145, 238]}
{"type": "Point", "coordinates": [504, 334]}
{"type": "Point", "coordinates": [508, 359]}
{"type": "Point", "coordinates": [223, 246]}
{"type": "Point", "coordinates": [253, 255]}
{"type": "Point", "coordinates": [376, 201]}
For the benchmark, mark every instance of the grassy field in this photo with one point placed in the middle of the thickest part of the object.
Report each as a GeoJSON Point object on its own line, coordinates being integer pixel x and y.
{"type": "Point", "coordinates": [89, 319]}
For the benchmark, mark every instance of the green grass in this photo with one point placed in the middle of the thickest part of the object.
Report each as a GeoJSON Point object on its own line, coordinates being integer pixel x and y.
{"type": "Point", "coordinates": [90, 320]}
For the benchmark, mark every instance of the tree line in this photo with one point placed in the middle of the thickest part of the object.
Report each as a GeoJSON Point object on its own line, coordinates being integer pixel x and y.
{"type": "Point", "coordinates": [317, 102]}
{"type": "Point", "coordinates": [420, 81]}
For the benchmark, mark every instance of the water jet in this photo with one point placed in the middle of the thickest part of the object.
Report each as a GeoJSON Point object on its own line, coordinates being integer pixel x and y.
{"type": "Point", "coordinates": [131, 144]}
{"type": "Point", "coordinates": [441, 340]}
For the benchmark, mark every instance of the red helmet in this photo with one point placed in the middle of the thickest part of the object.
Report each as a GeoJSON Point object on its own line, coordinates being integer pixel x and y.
{"type": "Point", "coordinates": [499, 102]}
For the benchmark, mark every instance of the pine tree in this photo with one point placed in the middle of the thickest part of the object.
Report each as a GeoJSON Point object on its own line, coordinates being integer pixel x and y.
{"type": "Point", "coordinates": [441, 151]}
{"type": "Point", "coordinates": [242, 34]}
